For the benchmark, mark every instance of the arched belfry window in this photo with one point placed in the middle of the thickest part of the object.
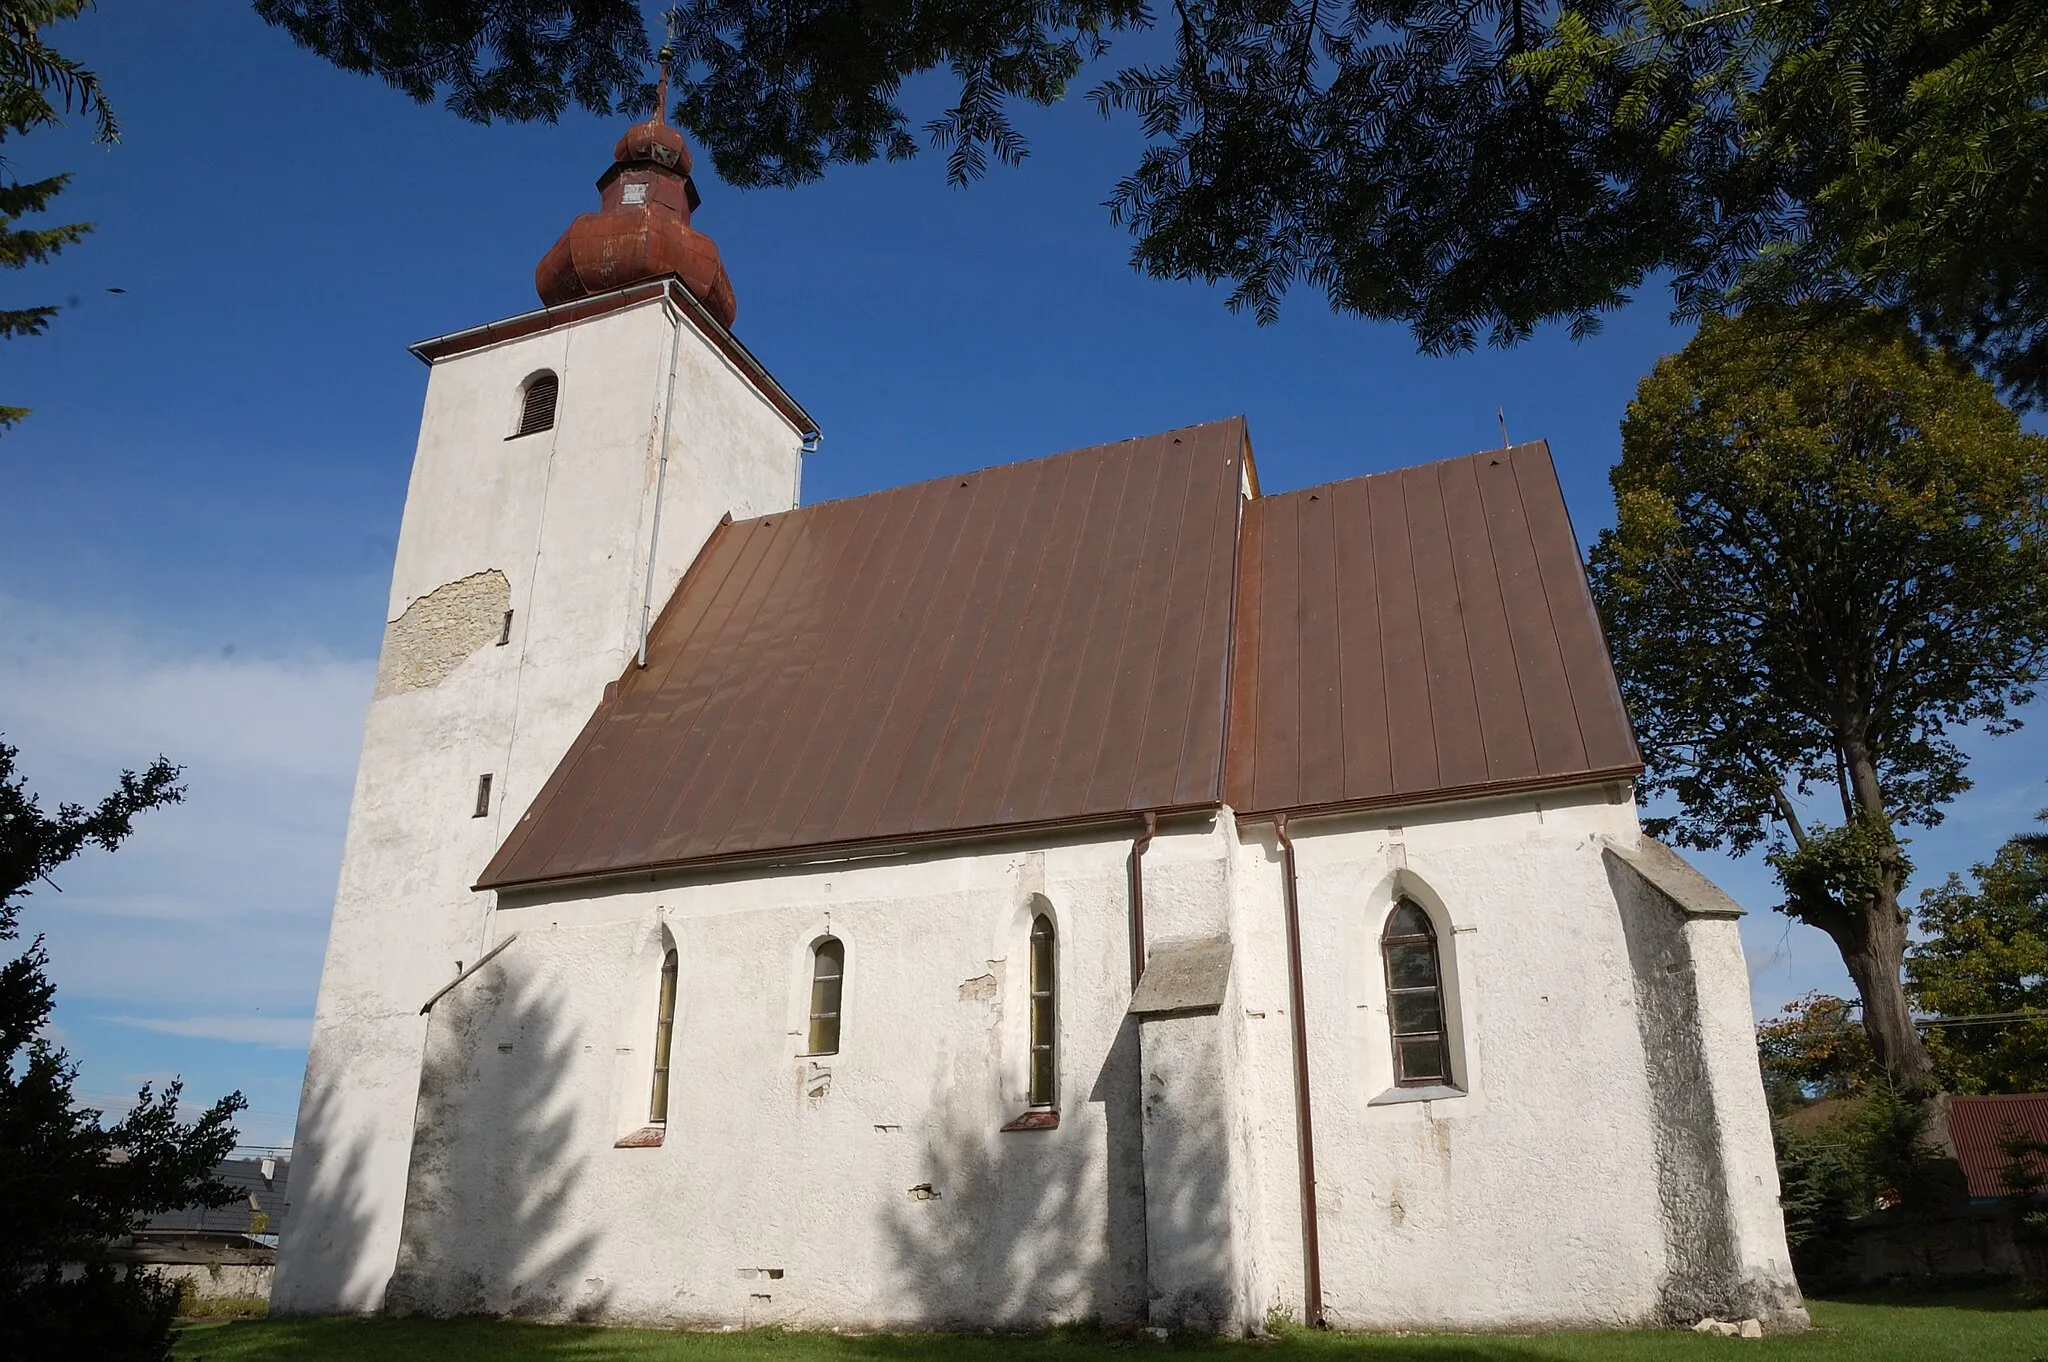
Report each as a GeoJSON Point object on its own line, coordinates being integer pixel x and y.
{"type": "Point", "coordinates": [828, 983]}
{"type": "Point", "coordinates": [1044, 1011]}
{"type": "Point", "coordinates": [1415, 998]}
{"type": "Point", "coordinates": [537, 404]}
{"type": "Point", "coordinates": [664, 1037]}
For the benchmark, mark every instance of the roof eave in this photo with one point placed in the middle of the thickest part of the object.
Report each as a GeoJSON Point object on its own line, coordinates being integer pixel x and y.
{"type": "Point", "coordinates": [437, 348]}
{"type": "Point", "coordinates": [1415, 799]}
{"type": "Point", "coordinates": [862, 848]}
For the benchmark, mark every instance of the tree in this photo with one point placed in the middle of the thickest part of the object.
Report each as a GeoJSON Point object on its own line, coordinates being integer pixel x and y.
{"type": "Point", "coordinates": [68, 1182]}
{"type": "Point", "coordinates": [1831, 550]}
{"type": "Point", "coordinates": [1813, 1049]}
{"type": "Point", "coordinates": [37, 85]}
{"type": "Point", "coordinates": [1820, 1191]}
{"type": "Point", "coordinates": [1467, 167]}
{"type": "Point", "coordinates": [1984, 954]}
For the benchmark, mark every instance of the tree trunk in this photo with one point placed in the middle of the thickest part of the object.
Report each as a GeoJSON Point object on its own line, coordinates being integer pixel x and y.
{"type": "Point", "coordinates": [1873, 946]}
{"type": "Point", "coordinates": [1872, 939]}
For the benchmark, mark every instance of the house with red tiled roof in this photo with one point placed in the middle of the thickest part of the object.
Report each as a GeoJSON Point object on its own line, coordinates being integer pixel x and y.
{"type": "Point", "coordinates": [1096, 887]}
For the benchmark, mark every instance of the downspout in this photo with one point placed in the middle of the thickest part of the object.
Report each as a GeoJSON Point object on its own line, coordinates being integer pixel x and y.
{"type": "Point", "coordinates": [1138, 849]}
{"type": "Point", "coordinates": [807, 447]}
{"type": "Point", "coordinates": [1311, 1245]}
{"type": "Point", "coordinates": [668, 402]}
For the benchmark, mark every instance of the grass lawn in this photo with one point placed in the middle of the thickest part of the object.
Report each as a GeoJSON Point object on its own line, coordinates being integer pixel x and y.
{"type": "Point", "coordinates": [1972, 1327]}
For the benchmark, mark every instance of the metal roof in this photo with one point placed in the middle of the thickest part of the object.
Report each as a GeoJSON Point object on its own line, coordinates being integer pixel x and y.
{"type": "Point", "coordinates": [1045, 642]}
{"type": "Point", "coordinates": [1070, 640]}
{"type": "Point", "coordinates": [1421, 633]}
{"type": "Point", "coordinates": [258, 1208]}
{"type": "Point", "coordinates": [1977, 1125]}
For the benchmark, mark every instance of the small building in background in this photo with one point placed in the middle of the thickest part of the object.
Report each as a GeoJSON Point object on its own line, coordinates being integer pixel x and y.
{"type": "Point", "coordinates": [223, 1251]}
{"type": "Point", "coordinates": [1970, 1222]}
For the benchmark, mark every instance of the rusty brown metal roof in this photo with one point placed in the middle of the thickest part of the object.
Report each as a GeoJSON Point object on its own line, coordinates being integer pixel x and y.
{"type": "Point", "coordinates": [1041, 643]}
{"type": "Point", "coordinates": [1086, 637]}
{"type": "Point", "coordinates": [1421, 633]}
{"type": "Point", "coordinates": [1977, 1127]}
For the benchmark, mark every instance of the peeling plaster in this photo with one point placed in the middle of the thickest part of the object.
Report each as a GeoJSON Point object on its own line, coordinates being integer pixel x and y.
{"type": "Point", "coordinates": [438, 632]}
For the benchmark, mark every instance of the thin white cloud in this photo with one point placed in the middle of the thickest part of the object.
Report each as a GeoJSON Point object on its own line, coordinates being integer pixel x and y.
{"type": "Point", "coordinates": [282, 1033]}
{"type": "Point", "coordinates": [215, 911]}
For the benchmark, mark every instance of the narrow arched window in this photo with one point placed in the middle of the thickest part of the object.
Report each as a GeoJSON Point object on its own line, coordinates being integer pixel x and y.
{"type": "Point", "coordinates": [1415, 998]}
{"type": "Point", "coordinates": [664, 1036]}
{"type": "Point", "coordinates": [537, 404]}
{"type": "Point", "coordinates": [828, 980]}
{"type": "Point", "coordinates": [1044, 1011]}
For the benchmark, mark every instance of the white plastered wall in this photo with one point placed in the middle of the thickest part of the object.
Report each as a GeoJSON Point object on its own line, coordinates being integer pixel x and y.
{"type": "Point", "coordinates": [556, 527]}
{"type": "Point", "coordinates": [1531, 1201]}
{"type": "Point", "coordinates": [874, 1186]}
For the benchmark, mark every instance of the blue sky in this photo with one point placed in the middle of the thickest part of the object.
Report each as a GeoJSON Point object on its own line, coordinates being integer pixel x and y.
{"type": "Point", "coordinates": [204, 505]}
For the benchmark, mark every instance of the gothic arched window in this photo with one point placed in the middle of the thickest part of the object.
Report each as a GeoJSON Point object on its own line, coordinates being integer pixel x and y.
{"type": "Point", "coordinates": [828, 980]}
{"type": "Point", "coordinates": [1415, 998]}
{"type": "Point", "coordinates": [664, 1037]}
{"type": "Point", "coordinates": [537, 404]}
{"type": "Point", "coordinates": [1044, 1011]}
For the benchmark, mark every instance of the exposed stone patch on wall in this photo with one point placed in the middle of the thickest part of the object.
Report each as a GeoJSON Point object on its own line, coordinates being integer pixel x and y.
{"type": "Point", "coordinates": [440, 629]}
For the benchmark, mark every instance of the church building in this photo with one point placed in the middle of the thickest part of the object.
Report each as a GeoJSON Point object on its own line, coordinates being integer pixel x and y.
{"type": "Point", "coordinates": [1088, 888]}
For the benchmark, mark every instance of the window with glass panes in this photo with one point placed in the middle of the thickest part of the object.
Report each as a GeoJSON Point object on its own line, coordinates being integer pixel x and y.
{"type": "Point", "coordinates": [1043, 1019]}
{"type": "Point", "coordinates": [1415, 998]}
{"type": "Point", "coordinates": [828, 978]}
{"type": "Point", "coordinates": [664, 1036]}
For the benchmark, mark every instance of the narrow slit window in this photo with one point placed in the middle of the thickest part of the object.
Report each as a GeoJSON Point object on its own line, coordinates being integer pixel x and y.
{"type": "Point", "coordinates": [664, 1034]}
{"type": "Point", "coordinates": [505, 630]}
{"type": "Point", "coordinates": [483, 797]}
{"type": "Point", "coordinates": [1415, 998]}
{"type": "Point", "coordinates": [537, 405]}
{"type": "Point", "coordinates": [828, 980]}
{"type": "Point", "coordinates": [1044, 1012]}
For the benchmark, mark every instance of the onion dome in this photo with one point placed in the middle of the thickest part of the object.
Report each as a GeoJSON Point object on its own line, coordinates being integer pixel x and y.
{"type": "Point", "coordinates": [641, 229]}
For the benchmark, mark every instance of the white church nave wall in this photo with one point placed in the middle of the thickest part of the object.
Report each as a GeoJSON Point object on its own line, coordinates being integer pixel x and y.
{"type": "Point", "coordinates": [877, 1182]}
{"type": "Point", "coordinates": [1534, 1199]}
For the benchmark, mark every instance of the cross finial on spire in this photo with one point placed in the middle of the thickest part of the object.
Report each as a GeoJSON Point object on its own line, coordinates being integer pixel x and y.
{"type": "Point", "coordinates": [667, 55]}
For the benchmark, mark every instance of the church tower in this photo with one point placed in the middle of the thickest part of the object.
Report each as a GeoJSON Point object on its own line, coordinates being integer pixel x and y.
{"type": "Point", "coordinates": [571, 462]}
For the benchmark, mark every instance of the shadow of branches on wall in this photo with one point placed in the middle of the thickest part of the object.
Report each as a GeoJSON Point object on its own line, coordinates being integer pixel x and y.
{"type": "Point", "coordinates": [488, 1223]}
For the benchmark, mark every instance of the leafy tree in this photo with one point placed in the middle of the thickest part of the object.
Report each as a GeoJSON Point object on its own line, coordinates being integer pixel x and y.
{"type": "Point", "coordinates": [68, 1182]}
{"type": "Point", "coordinates": [1820, 1191]}
{"type": "Point", "coordinates": [1832, 549]}
{"type": "Point", "coordinates": [37, 85]}
{"type": "Point", "coordinates": [1467, 167]}
{"type": "Point", "coordinates": [1813, 1049]}
{"type": "Point", "coordinates": [1984, 953]}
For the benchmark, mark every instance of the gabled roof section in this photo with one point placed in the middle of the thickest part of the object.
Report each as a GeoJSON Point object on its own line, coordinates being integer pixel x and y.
{"type": "Point", "coordinates": [1040, 643]}
{"type": "Point", "coordinates": [1424, 633]}
{"type": "Point", "coordinates": [1977, 1127]}
{"type": "Point", "coordinates": [1086, 637]}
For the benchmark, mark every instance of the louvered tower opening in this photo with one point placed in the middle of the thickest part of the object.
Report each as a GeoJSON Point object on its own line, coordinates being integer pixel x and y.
{"type": "Point", "coordinates": [537, 411]}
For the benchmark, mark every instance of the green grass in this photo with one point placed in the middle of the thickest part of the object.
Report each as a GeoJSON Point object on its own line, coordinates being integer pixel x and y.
{"type": "Point", "coordinates": [1972, 1327]}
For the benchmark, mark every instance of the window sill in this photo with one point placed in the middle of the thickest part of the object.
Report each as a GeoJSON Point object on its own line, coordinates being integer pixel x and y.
{"type": "Point", "coordinates": [1436, 1092]}
{"type": "Point", "coordinates": [1038, 1118]}
{"type": "Point", "coordinates": [647, 1137]}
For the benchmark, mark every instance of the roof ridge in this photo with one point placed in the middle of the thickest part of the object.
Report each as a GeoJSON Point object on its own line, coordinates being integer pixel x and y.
{"type": "Point", "coordinates": [1514, 448]}
{"type": "Point", "coordinates": [1100, 448]}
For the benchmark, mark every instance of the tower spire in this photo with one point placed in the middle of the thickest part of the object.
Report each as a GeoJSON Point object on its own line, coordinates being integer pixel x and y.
{"type": "Point", "coordinates": [641, 229]}
{"type": "Point", "coordinates": [665, 56]}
